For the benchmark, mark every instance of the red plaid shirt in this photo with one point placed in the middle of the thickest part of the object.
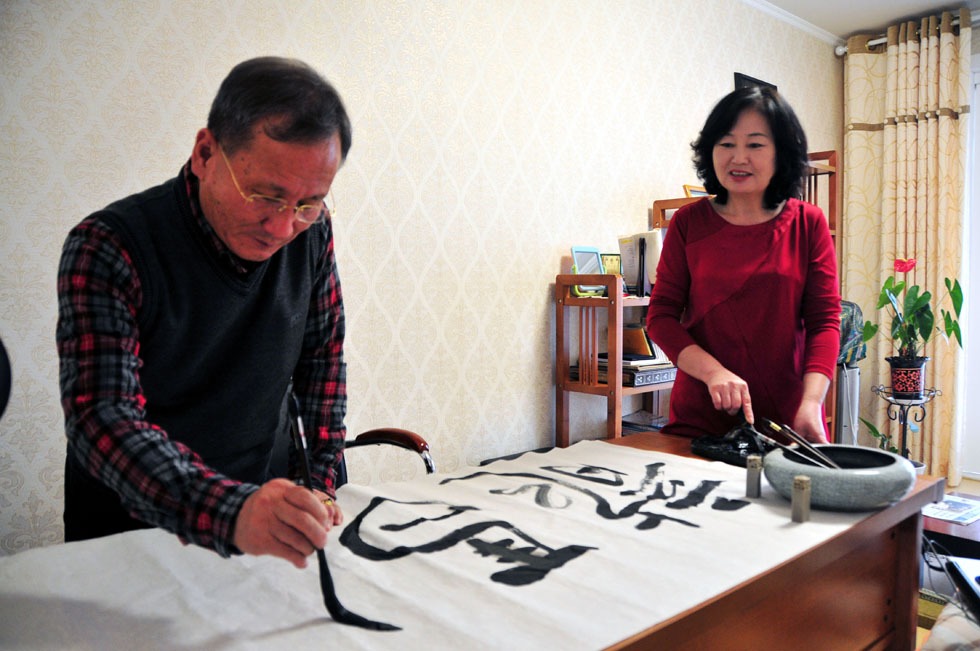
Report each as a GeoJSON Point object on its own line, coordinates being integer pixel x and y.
{"type": "Point", "coordinates": [159, 480]}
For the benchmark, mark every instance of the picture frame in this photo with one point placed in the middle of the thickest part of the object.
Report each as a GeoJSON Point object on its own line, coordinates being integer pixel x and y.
{"type": "Point", "coordinates": [695, 191]}
{"type": "Point", "coordinates": [745, 81]}
{"type": "Point", "coordinates": [587, 260]}
{"type": "Point", "coordinates": [612, 263]}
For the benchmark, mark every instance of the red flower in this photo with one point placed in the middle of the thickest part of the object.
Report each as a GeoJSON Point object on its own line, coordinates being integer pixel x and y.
{"type": "Point", "coordinates": [904, 265]}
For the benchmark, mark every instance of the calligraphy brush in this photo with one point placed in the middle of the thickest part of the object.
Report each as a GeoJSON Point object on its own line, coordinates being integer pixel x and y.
{"type": "Point", "coordinates": [334, 607]}
{"type": "Point", "coordinates": [800, 440]}
{"type": "Point", "coordinates": [771, 441]}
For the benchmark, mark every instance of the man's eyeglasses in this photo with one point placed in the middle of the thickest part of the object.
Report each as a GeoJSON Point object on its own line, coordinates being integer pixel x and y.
{"type": "Point", "coordinates": [306, 213]}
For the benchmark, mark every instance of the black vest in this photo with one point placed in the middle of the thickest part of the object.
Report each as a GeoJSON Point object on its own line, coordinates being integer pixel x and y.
{"type": "Point", "coordinates": [217, 349]}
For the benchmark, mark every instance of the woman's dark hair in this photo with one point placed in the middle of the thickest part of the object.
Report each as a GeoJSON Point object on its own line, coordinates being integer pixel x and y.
{"type": "Point", "coordinates": [294, 101]}
{"type": "Point", "coordinates": [788, 138]}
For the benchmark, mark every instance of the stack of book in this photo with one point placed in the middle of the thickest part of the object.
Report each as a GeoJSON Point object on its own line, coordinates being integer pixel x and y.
{"type": "Point", "coordinates": [644, 363]}
{"type": "Point", "coordinates": [636, 377]}
{"type": "Point", "coordinates": [636, 372]}
{"type": "Point", "coordinates": [637, 343]}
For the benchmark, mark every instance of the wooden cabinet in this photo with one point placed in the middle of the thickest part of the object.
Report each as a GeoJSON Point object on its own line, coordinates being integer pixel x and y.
{"type": "Point", "coordinates": [586, 314]}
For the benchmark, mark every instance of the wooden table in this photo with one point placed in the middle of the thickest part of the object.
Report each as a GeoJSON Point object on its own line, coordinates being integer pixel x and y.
{"type": "Point", "coordinates": [858, 590]}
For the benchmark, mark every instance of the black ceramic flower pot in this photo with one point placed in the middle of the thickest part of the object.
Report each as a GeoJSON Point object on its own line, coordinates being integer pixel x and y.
{"type": "Point", "coordinates": [908, 377]}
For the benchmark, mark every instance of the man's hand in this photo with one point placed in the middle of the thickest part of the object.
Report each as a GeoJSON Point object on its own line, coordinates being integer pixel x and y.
{"type": "Point", "coordinates": [285, 520]}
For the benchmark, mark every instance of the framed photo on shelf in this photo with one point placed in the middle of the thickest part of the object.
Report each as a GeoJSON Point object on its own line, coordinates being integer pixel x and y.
{"type": "Point", "coordinates": [612, 263]}
{"type": "Point", "coordinates": [587, 260]}
{"type": "Point", "coordinates": [744, 81]}
{"type": "Point", "coordinates": [695, 191]}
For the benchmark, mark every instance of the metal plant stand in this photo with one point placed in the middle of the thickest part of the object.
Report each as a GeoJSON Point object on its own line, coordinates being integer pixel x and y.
{"type": "Point", "coordinates": [899, 408]}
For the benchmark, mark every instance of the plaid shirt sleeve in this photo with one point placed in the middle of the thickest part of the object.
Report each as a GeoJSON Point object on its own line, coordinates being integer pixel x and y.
{"type": "Point", "coordinates": [160, 481]}
{"type": "Point", "coordinates": [320, 377]}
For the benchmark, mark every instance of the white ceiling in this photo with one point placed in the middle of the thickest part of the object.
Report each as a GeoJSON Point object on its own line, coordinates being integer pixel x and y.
{"type": "Point", "coordinates": [843, 18]}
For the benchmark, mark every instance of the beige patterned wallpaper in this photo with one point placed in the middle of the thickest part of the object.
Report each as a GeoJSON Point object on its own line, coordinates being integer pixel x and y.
{"type": "Point", "coordinates": [489, 137]}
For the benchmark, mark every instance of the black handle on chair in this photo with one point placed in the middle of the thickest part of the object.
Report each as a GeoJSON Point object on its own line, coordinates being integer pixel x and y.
{"type": "Point", "coordinates": [402, 438]}
{"type": "Point", "coordinates": [392, 435]}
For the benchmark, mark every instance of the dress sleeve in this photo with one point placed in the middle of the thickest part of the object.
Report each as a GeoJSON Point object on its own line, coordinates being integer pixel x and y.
{"type": "Point", "coordinates": [320, 377]}
{"type": "Point", "coordinates": [159, 481]}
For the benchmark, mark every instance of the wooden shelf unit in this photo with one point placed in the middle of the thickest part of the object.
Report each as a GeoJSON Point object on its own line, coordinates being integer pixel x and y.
{"type": "Point", "coordinates": [589, 309]}
{"type": "Point", "coordinates": [658, 214]}
{"type": "Point", "coordinates": [823, 168]}
{"type": "Point", "coordinates": [824, 164]}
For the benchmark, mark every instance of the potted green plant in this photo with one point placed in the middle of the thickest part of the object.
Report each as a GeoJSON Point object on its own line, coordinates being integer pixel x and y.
{"type": "Point", "coordinates": [913, 323]}
{"type": "Point", "coordinates": [884, 442]}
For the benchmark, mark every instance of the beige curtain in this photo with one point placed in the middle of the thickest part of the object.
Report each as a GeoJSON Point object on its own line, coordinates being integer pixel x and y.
{"type": "Point", "coordinates": [904, 181]}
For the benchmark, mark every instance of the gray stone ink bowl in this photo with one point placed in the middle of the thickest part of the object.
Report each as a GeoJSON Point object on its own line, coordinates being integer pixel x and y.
{"type": "Point", "coordinates": [869, 478]}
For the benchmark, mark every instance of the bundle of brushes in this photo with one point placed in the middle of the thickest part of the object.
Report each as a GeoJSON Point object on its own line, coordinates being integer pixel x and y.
{"type": "Point", "coordinates": [803, 447]}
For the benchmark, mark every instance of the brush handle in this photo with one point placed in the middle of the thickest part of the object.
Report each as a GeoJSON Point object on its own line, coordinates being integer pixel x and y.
{"type": "Point", "coordinates": [801, 440]}
{"type": "Point", "coordinates": [816, 459]}
{"type": "Point", "coordinates": [330, 600]}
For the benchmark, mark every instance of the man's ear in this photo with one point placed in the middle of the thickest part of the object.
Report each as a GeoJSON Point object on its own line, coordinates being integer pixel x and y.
{"type": "Point", "coordinates": [204, 152]}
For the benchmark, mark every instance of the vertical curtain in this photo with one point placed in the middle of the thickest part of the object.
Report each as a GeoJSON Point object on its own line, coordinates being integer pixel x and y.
{"type": "Point", "coordinates": [905, 152]}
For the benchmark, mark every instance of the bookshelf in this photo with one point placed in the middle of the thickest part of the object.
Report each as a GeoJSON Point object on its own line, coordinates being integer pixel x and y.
{"type": "Point", "coordinates": [821, 190]}
{"type": "Point", "coordinates": [584, 313]}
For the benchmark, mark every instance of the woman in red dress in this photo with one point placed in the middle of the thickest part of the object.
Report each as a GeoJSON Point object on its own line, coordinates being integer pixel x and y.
{"type": "Point", "coordinates": [746, 301]}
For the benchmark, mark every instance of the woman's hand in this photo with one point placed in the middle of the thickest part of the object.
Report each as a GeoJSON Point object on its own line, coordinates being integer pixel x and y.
{"type": "Point", "coordinates": [729, 393]}
{"type": "Point", "coordinates": [808, 422]}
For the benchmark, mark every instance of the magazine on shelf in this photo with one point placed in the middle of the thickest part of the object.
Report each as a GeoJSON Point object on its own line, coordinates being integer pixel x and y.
{"type": "Point", "coordinates": [638, 360]}
{"type": "Point", "coordinates": [636, 363]}
{"type": "Point", "coordinates": [636, 341]}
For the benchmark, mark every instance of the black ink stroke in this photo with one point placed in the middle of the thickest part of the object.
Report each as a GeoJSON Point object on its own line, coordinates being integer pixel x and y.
{"type": "Point", "coordinates": [727, 504]}
{"type": "Point", "coordinates": [660, 490]}
{"type": "Point", "coordinates": [595, 474]}
{"type": "Point", "coordinates": [695, 497]}
{"type": "Point", "coordinates": [532, 562]}
{"type": "Point", "coordinates": [530, 567]}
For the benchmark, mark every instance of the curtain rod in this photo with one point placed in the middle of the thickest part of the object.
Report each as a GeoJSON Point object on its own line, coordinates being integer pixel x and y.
{"type": "Point", "coordinates": [841, 50]}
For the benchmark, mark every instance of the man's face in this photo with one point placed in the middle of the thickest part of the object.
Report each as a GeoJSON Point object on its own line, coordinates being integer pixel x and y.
{"type": "Point", "coordinates": [299, 174]}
